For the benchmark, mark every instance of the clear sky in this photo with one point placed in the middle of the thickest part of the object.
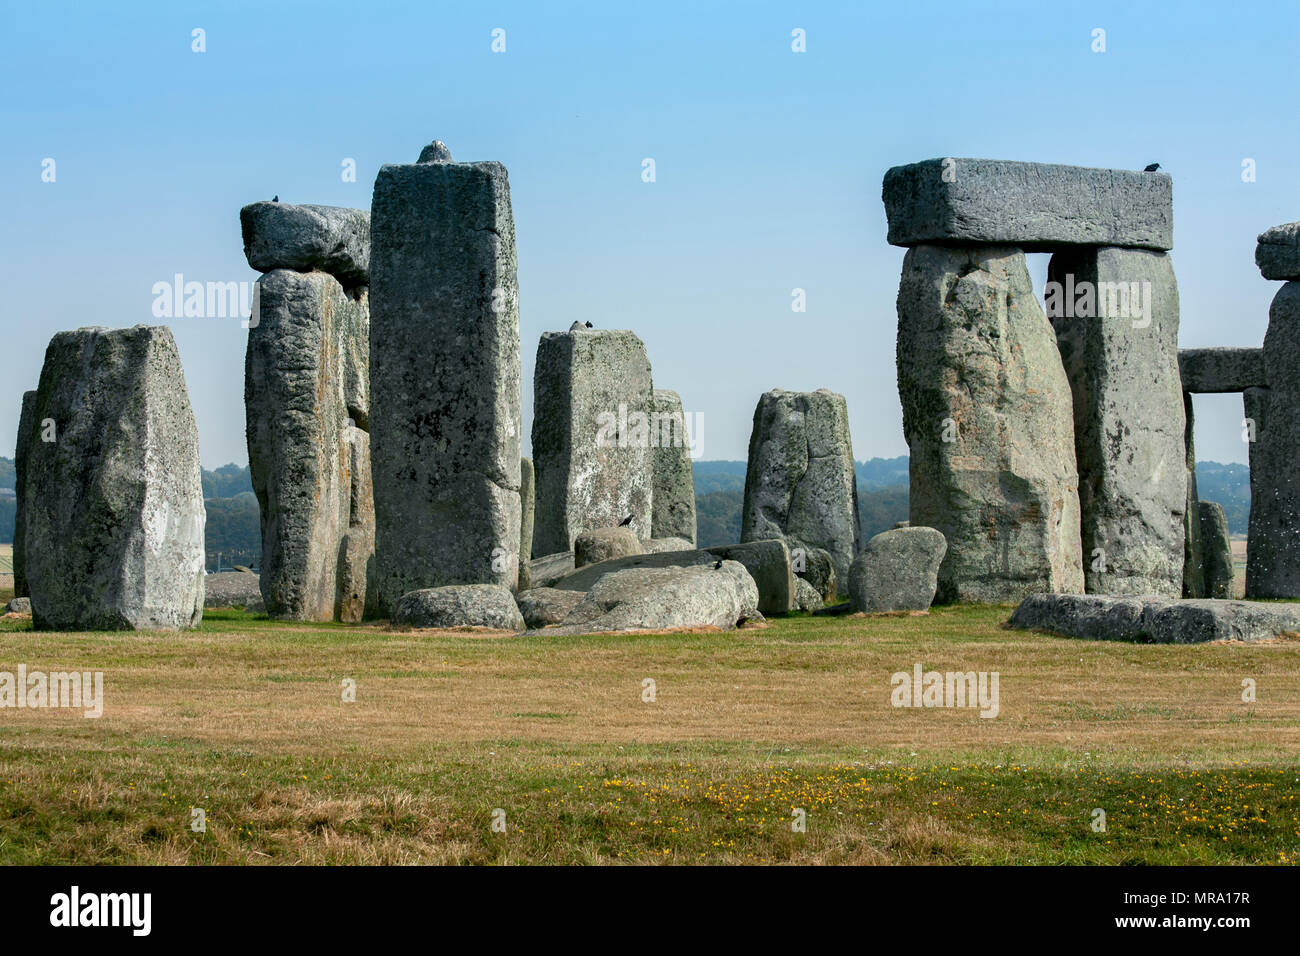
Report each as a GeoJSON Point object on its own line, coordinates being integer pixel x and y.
{"type": "Point", "coordinates": [768, 165]}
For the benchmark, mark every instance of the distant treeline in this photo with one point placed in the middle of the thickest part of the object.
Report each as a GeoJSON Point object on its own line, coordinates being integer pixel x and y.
{"type": "Point", "coordinates": [234, 529]}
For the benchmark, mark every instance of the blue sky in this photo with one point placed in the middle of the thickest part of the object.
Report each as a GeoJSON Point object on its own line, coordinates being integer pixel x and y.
{"type": "Point", "coordinates": [768, 162]}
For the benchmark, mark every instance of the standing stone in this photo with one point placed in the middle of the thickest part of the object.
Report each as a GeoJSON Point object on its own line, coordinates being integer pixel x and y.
{"type": "Point", "coordinates": [26, 426]}
{"type": "Point", "coordinates": [674, 479]}
{"type": "Point", "coordinates": [1193, 557]}
{"type": "Point", "coordinates": [304, 392]}
{"type": "Point", "coordinates": [444, 377]}
{"type": "Point", "coordinates": [113, 507]}
{"type": "Point", "coordinates": [592, 410]}
{"type": "Point", "coordinates": [1273, 551]}
{"type": "Point", "coordinates": [987, 416]}
{"type": "Point", "coordinates": [800, 484]}
{"type": "Point", "coordinates": [1216, 546]}
{"type": "Point", "coordinates": [355, 599]}
{"type": "Point", "coordinates": [526, 505]}
{"type": "Point", "coordinates": [1115, 312]}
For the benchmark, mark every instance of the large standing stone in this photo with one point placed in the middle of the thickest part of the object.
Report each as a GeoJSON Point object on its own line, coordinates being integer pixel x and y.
{"type": "Point", "coordinates": [113, 507]}
{"type": "Point", "coordinates": [1028, 205]}
{"type": "Point", "coordinates": [26, 429]}
{"type": "Point", "coordinates": [1193, 556]}
{"type": "Point", "coordinates": [444, 376]}
{"type": "Point", "coordinates": [674, 478]}
{"type": "Point", "coordinates": [987, 415]}
{"type": "Point", "coordinates": [304, 377]}
{"type": "Point", "coordinates": [800, 483]}
{"type": "Point", "coordinates": [527, 503]}
{"type": "Point", "coordinates": [281, 235]}
{"type": "Point", "coordinates": [1273, 551]}
{"type": "Point", "coordinates": [1115, 312]}
{"type": "Point", "coordinates": [592, 410]}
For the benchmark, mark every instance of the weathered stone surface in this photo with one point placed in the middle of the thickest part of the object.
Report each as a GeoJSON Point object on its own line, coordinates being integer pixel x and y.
{"type": "Point", "coordinates": [1221, 370]}
{"type": "Point", "coordinates": [1122, 363]}
{"type": "Point", "coordinates": [280, 235]}
{"type": "Point", "coordinates": [233, 589]}
{"type": "Point", "coordinates": [601, 544]}
{"type": "Point", "coordinates": [435, 152]}
{"type": "Point", "coordinates": [1259, 548]}
{"type": "Point", "coordinates": [987, 414]}
{"type": "Point", "coordinates": [546, 569]}
{"type": "Point", "coordinates": [460, 605]}
{"type": "Point", "coordinates": [542, 607]}
{"type": "Point", "coordinates": [355, 601]}
{"type": "Point", "coordinates": [19, 605]}
{"type": "Point", "coordinates": [444, 377]}
{"type": "Point", "coordinates": [1216, 548]}
{"type": "Point", "coordinates": [1155, 619]}
{"type": "Point", "coordinates": [768, 563]}
{"type": "Point", "coordinates": [1273, 551]}
{"type": "Point", "coordinates": [1030, 205]}
{"type": "Point", "coordinates": [527, 503]}
{"type": "Point", "coordinates": [655, 545]}
{"type": "Point", "coordinates": [648, 598]}
{"type": "Point", "coordinates": [806, 597]}
{"type": "Point", "coordinates": [301, 387]}
{"type": "Point", "coordinates": [816, 566]}
{"type": "Point", "coordinates": [26, 430]}
{"type": "Point", "coordinates": [592, 445]}
{"type": "Point", "coordinates": [584, 579]}
{"type": "Point", "coordinates": [897, 571]}
{"type": "Point", "coordinates": [1193, 559]}
{"type": "Point", "coordinates": [674, 478]}
{"type": "Point", "coordinates": [113, 507]}
{"type": "Point", "coordinates": [1277, 252]}
{"type": "Point", "coordinates": [799, 483]}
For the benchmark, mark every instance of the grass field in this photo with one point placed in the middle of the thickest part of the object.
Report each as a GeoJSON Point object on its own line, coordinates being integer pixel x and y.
{"type": "Point", "coordinates": [245, 719]}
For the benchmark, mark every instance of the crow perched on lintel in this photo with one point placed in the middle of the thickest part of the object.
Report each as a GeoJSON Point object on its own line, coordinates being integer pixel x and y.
{"type": "Point", "coordinates": [1152, 168]}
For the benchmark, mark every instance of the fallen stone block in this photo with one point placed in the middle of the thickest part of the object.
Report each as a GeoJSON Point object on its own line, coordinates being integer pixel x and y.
{"type": "Point", "coordinates": [817, 567]}
{"type": "Point", "coordinates": [19, 605]}
{"type": "Point", "coordinates": [1206, 371]}
{"type": "Point", "coordinates": [897, 571]}
{"type": "Point", "coordinates": [656, 599]}
{"type": "Point", "coordinates": [542, 607]}
{"type": "Point", "coordinates": [460, 605]}
{"type": "Point", "coordinates": [601, 544]}
{"type": "Point", "coordinates": [114, 504]}
{"type": "Point", "coordinates": [281, 235]}
{"type": "Point", "coordinates": [768, 563]}
{"type": "Point", "coordinates": [1029, 205]}
{"type": "Point", "coordinates": [584, 579]}
{"type": "Point", "coordinates": [546, 569]}
{"type": "Point", "coordinates": [656, 545]}
{"type": "Point", "coordinates": [806, 597]}
{"type": "Point", "coordinates": [237, 589]}
{"type": "Point", "coordinates": [1155, 619]}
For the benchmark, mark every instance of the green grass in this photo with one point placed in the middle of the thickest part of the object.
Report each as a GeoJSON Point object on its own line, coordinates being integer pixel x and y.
{"type": "Point", "coordinates": [244, 719]}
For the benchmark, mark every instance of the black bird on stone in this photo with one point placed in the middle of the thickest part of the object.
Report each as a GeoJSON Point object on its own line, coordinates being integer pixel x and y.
{"type": "Point", "coordinates": [275, 198]}
{"type": "Point", "coordinates": [626, 521]}
{"type": "Point", "coordinates": [718, 565]}
{"type": "Point", "coordinates": [1152, 168]}
{"type": "Point", "coordinates": [590, 326]}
